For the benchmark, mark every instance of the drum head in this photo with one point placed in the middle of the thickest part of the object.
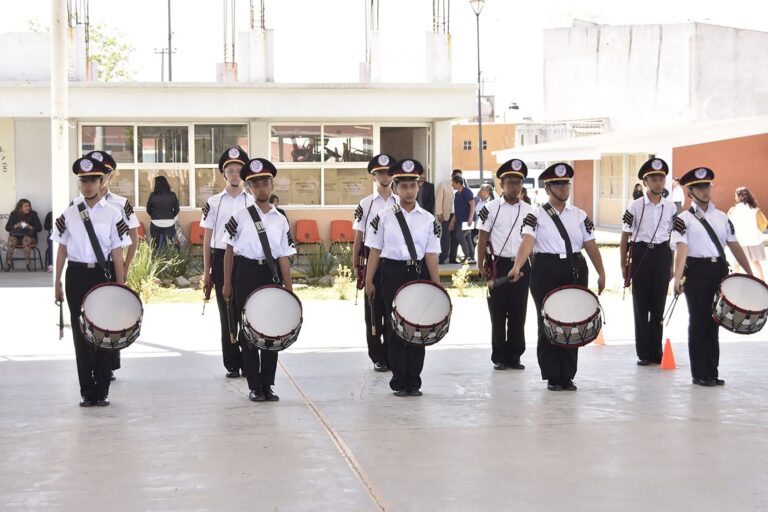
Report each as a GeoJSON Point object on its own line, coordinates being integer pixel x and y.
{"type": "Point", "coordinates": [273, 311]}
{"type": "Point", "coordinates": [745, 292]}
{"type": "Point", "coordinates": [570, 305]}
{"type": "Point", "coordinates": [422, 303]}
{"type": "Point", "coordinates": [112, 307]}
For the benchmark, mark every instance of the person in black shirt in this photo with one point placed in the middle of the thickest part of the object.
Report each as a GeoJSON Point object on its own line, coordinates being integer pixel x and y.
{"type": "Point", "coordinates": [162, 207]}
{"type": "Point", "coordinates": [274, 200]}
{"type": "Point", "coordinates": [23, 226]}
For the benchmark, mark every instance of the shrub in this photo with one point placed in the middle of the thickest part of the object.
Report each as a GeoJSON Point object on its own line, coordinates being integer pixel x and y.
{"type": "Point", "coordinates": [461, 279]}
{"type": "Point", "coordinates": [343, 281]}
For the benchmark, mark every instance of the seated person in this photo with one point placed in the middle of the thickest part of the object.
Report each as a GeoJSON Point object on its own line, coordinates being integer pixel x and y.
{"type": "Point", "coordinates": [23, 226]}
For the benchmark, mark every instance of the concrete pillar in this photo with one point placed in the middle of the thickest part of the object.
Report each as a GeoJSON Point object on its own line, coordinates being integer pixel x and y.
{"type": "Point", "coordinates": [256, 56]}
{"type": "Point", "coordinates": [438, 58]}
{"type": "Point", "coordinates": [59, 108]}
{"type": "Point", "coordinates": [370, 72]}
{"type": "Point", "coordinates": [441, 151]}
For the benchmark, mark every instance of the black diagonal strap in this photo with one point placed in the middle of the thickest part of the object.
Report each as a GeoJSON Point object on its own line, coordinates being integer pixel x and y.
{"type": "Point", "coordinates": [406, 232]}
{"type": "Point", "coordinates": [262, 231]}
{"type": "Point", "coordinates": [564, 234]}
{"type": "Point", "coordinates": [712, 236]}
{"type": "Point", "coordinates": [86, 218]}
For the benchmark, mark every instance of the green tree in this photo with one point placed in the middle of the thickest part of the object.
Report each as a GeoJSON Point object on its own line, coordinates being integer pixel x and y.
{"type": "Point", "coordinates": [111, 54]}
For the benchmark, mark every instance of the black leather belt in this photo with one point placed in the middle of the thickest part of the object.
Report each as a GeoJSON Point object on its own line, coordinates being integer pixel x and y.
{"type": "Point", "coordinates": [402, 263]}
{"type": "Point", "coordinates": [79, 264]}
{"type": "Point", "coordinates": [653, 245]}
{"type": "Point", "coordinates": [243, 259]}
{"type": "Point", "coordinates": [713, 259]}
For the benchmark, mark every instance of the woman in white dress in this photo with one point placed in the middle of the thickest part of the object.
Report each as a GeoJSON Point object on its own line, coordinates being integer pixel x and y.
{"type": "Point", "coordinates": [749, 223]}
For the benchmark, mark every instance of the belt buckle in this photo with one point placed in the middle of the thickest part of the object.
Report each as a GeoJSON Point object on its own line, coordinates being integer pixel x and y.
{"type": "Point", "coordinates": [713, 259]}
{"type": "Point", "coordinates": [651, 246]}
{"type": "Point", "coordinates": [91, 265]}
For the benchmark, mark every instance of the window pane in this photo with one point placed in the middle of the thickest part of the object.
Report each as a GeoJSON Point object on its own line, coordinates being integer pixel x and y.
{"type": "Point", "coordinates": [346, 186]}
{"type": "Point", "coordinates": [295, 143]}
{"type": "Point", "coordinates": [212, 139]}
{"type": "Point", "coordinates": [121, 184]}
{"type": "Point", "coordinates": [348, 143]}
{"type": "Point", "coordinates": [178, 179]}
{"type": "Point", "coordinates": [163, 144]}
{"type": "Point", "coordinates": [115, 140]}
{"type": "Point", "coordinates": [298, 186]}
{"type": "Point", "coordinates": [207, 183]}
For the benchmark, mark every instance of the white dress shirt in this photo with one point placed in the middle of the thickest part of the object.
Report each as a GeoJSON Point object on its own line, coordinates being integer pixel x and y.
{"type": "Point", "coordinates": [384, 233]}
{"type": "Point", "coordinates": [504, 222]}
{"type": "Point", "coordinates": [240, 232]}
{"type": "Point", "coordinates": [108, 224]}
{"type": "Point", "coordinates": [369, 207]}
{"type": "Point", "coordinates": [218, 210]}
{"type": "Point", "coordinates": [689, 230]}
{"type": "Point", "coordinates": [656, 218]}
{"type": "Point", "coordinates": [548, 240]}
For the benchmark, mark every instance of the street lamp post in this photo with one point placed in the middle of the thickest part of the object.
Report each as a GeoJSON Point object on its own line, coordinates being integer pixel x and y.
{"type": "Point", "coordinates": [477, 6]}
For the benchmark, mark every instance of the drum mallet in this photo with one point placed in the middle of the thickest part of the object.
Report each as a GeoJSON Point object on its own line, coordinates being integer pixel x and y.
{"type": "Point", "coordinates": [60, 303]}
{"type": "Point", "coordinates": [671, 308]}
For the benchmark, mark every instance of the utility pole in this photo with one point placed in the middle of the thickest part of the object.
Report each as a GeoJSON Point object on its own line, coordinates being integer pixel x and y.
{"type": "Point", "coordinates": [170, 52]}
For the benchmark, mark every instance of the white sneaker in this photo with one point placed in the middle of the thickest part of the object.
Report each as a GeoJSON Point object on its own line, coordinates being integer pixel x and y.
{"type": "Point", "coordinates": [50, 268]}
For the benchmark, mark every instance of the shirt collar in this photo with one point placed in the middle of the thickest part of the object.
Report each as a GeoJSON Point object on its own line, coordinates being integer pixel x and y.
{"type": "Point", "coordinates": [225, 193]}
{"type": "Point", "coordinates": [647, 200]}
{"type": "Point", "coordinates": [377, 195]}
{"type": "Point", "coordinates": [709, 207]}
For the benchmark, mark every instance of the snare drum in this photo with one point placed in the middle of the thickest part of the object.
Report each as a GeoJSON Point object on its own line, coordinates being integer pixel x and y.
{"type": "Point", "coordinates": [111, 315]}
{"type": "Point", "coordinates": [272, 318]}
{"type": "Point", "coordinates": [741, 304]}
{"type": "Point", "coordinates": [421, 313]}
{"type": "Point", "coordinates": [572, 316]}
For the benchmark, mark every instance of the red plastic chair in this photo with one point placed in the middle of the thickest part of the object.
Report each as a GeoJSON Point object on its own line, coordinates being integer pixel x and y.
{"type": "Point", "coordinates": [307, 233]}
{"type": "Point", "coordinates": [341, 233]}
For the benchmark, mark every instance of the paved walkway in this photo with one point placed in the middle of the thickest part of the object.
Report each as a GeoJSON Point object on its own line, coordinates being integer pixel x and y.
{"type": "Point", "coordinates": [179, 436]}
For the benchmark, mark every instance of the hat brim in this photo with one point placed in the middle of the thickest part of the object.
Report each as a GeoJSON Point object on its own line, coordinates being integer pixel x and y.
{"type": "Point", "coordinates": [697, 182]}
{"type": "Point", "coordinates": [259, 175]}
{"type": "Point", "coordinates": [651, 173]}
{"type": "Point", "coordinates": [516, 174]}
{"type": "Point", "coordinates": [380, 168]}
{"type": "Point", "coordinates": [227, 162]}
{"type": "Point", "coordinates": [406, 176]}
{"type": "Point", "coordinates": [553, 180]}
{"type": "Point", "coordinates": [90, 174]}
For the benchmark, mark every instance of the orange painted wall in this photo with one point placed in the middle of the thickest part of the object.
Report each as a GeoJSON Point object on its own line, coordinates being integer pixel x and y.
{"type": "Point", "coordinates": [737, 162]}
{"type": "Point", "coordinates": [583, 186]}
{"type": "Point", "coordinates": [498, 136]}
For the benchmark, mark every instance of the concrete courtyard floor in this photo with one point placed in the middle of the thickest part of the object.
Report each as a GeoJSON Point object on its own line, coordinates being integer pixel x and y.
{"type": "Point", "coordinates": [179, 436]}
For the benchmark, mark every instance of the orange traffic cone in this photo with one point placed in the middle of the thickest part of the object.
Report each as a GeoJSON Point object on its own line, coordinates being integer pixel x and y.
{"type": "Point", "coordinates": [600, 340]}
{"type": "Point", "coordinates": [668, 359]}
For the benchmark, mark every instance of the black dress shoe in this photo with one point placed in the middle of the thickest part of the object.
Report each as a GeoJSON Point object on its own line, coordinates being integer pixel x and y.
{"type": "Point", "coordinates": [569, 386]}
{"type": "Point", "coordinates": [103, 402]}
{"type": "Point", "coordinates": [256, 396]}
{"type": "Point", "coordinates": [234, 374]}
{"type": "Point", "coordinates": [499, 366]}
{"type": "Point", "coordinates": [554, 386]}
{"type": "Point", "coordinates": [380, 367]}
{"type": "Point", "coordinates": [415, 392]}
{"type": "Point", "coordinates": [86, 402]}
{"type": "Point", "coordinates": [516, 365]}
{"type": "Point", "coordinates": [269, 395]}
{"type": "Point", "coordinates": [400, 392]}
{"type": "Point", "coordinates": [642, 362]}
{"type": "Point", "coordinates": [719, 382]}
{"type": "Point", "coordinates": [112, 376]}
{"type": "Point", "coordinates": [704, 382]}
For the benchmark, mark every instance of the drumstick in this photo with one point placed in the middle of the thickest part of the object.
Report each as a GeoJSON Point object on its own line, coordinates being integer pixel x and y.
{"type": "Point", "coordinates": [671, 308]}
{"type": "Point", "coordinates": [230, 322]}
{"type": "Point", "coordinates": [373, 316]}
{"type": "Point", "coordinates": [60, 303]}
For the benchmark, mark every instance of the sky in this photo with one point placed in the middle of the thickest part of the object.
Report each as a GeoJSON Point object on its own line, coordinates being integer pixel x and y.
{"type": "Point", "coordinates": [324, 40]}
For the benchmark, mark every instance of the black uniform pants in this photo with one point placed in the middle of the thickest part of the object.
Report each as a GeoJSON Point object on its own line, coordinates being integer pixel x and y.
{"type": "Point", "coordinates": [548, 272]}
{"type": "Point", "coordinates": [94, 366]}
{"type": "Point", "coordinates": [508, 304]}
{"type": "Point", "coordinates": [233, 359]}
{"type": "Point", "coordinates": [702, 281]}
{"type": "Point", "coordinates": [377, 344]}
{"type": "Point", "coordinates": [650, 282]}
{"type": "Point", "coordinates": [259, 365]}
{"type": "Point", "coordinates": [405, 360]}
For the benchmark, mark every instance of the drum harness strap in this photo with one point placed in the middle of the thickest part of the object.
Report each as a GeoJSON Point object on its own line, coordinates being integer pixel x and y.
{"type": "Point", "coordinates": [261, 230]}
{"type": "Point", "coordinates": [564, 234]}
{"type": "Point", "coordinates": [86, 218]}
{"type": "Point", "coordinates": [407, 236]}
{"type": "Point", "coordinates": [512, 228]}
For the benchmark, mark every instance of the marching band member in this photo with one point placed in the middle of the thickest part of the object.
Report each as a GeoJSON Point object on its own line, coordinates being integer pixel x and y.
{"type": "Point", "coordinates": [366, 210]}
{"type": "Point", "coordinates": [217, 211]}
{"type": "Point", "coordinates": [646, 259]}
{"type": "Point", "coordinates": [406, 253]}
{"type": "Point", "coordinates": [501, 222]}
{"type": "Point", "coordinates": [257, 266]}
{"type": "Point", "coordinates": [99, 227]}
{"type": "Point", "coordinates": [698, 236]}
{"type": "Point", "coordinates": [556, 233]}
